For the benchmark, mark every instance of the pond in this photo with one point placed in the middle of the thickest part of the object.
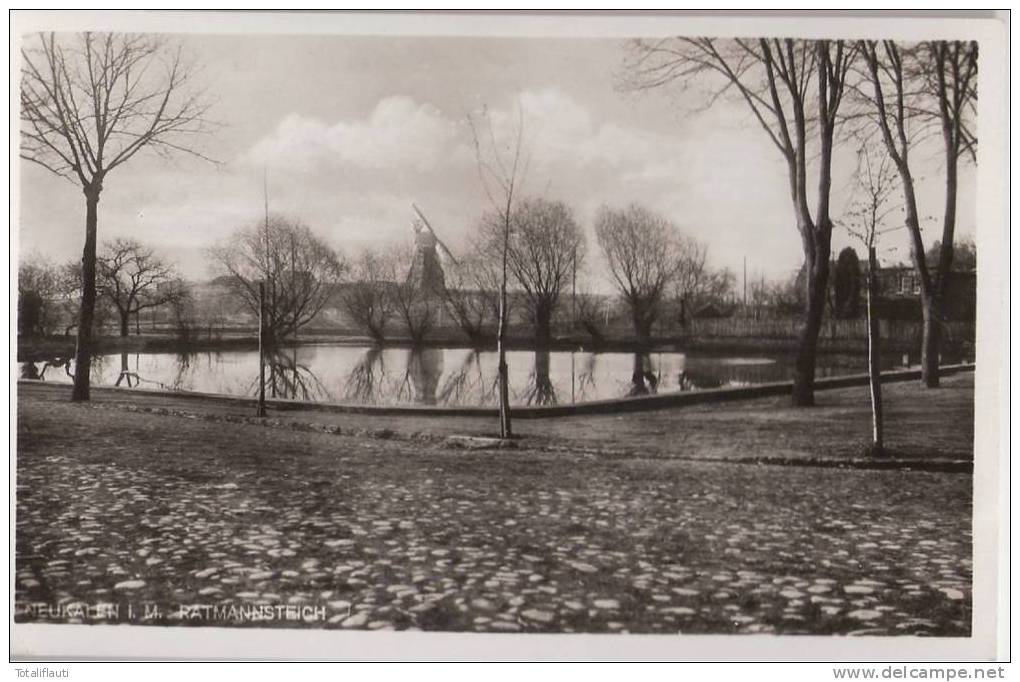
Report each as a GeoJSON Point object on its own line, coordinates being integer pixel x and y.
{"type": "Point", "coordinates": [438, 376]}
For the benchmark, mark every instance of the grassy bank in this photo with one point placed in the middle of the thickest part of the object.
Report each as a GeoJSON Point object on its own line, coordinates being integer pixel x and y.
{"type": "Point", "coordinates": [920, 424]}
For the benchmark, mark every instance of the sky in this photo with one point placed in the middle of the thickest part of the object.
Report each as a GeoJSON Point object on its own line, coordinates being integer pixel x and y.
{"type": "Point", "coordinates": [346, 132]}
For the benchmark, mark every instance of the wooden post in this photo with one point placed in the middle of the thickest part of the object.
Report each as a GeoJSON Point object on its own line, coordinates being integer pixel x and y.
{"type": "Point", "coordinates": [260, 411]}
{"type": "Point", "coordinates": [874, 357]}
{"type": "Point", "coordinates": [573, 294]}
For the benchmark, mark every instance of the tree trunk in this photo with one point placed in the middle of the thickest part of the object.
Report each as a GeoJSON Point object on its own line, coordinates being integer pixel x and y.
{"type": "Point", "coordinates": [505, 431]}
{"type": "Point", "coordinates": [504, 374]}
{"type": "Point", "coordinates": [637, 376]}
{"type": "Point", "coordinates": [125, 317]}
{"type": "Point", "coordinates": [545, 392]}
{"type": "Point", "coordinates": [932, 304]}
{"type": "Point", "coordinates": [874, 358]}
{"type": "Point", "coordinates": [817, 271]}
{"type": "Point", "coordinates": [83, 349]}
{"type": "Point", "coordinates": [642, 326]}
{"type": "Point", "coordinates": [930, 340]}
{"type": "Point", "coordinates": [543, 327]}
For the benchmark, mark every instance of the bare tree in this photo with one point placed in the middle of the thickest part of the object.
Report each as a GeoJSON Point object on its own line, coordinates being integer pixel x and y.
{"type": "Point", "coordinates": [299, 270]}
{"type": "Point", "coordinates": [696, 283]}
{"type": "Point", "coordinates": [720, 288]}
{"type": "Point", "coordinates": [501, 175]}
{"type": "Point", "coordinates": [132, 278]}
{"type": "Point", "coordinates": [846, 286]}
{"type": "Point", "coordinates": [184, 318]}
{"type": "Point", "coordinates": [369, 297]}
{"type": "Point", "coordinates": [691, 275]}
{"type": "Point", "coordinates": [794, 90]}
{"type": "Point", "coordinates": [472, 294]}
{"type": "Point", "coordinates": [89, 103]}
{"type": "Point", "coordinates": [591, 312]}
{"type": "Point", "coordinates": [643, 251]}
{"type": "Point", "coordinates": [67, 306]}
{"type": "Point", "coordinates": [908, 88]}
{"type": "Point", "coordinates": [867, 215]}
{"type": "Point", "coordinates": [38, 296]}
{"type": "Point", "coordinates": [950, 76]}
{"type": "Point", "coordinates": [545, 246]}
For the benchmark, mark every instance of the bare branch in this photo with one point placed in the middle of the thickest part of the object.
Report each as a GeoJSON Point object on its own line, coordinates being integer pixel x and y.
{"type": "Point", "coordinates": [90, 102]}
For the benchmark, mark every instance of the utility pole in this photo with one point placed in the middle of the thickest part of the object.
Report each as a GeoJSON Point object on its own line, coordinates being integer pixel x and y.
{"type": "Point", "coordinates": [745, 281]}
{"type": "Point", "coordinates": [573, 293]}
{"type": "Point", "coordinates": [260, 411]}
{"type": "Point", "coordinates": [293, 273]}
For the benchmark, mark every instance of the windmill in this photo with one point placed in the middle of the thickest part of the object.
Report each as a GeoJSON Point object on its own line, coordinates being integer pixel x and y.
{"type": "Point", "coordinates": [439, 242]}
{"type": "Point", "coordinates": [426, 271]}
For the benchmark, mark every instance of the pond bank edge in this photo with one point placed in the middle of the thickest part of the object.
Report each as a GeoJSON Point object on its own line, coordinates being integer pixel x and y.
{"type": "Point", "coordinates": [595, 407]}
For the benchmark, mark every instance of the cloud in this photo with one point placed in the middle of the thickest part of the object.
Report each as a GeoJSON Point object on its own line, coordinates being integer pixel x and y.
{"type": "Point", "coordinates": [561, 134]}
{"type": "Point", "coordinates": [401, 135]}
{"type": "Point", "coordinates": [398, 133]}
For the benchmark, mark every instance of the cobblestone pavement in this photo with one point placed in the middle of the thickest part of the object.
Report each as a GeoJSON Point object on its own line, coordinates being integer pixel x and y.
{"type": "Point", "coordinates": [153, 519]}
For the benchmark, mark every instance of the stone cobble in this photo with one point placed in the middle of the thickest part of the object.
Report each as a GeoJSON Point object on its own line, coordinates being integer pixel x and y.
{"type": "Point", "coordinates": [157, 519]}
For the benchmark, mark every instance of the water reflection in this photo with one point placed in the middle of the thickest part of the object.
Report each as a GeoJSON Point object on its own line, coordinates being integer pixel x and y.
{"type": "Point", "coordinates": [468, 384]}
{"type": "Point", "coordinates": [539, 390]}
{"type": "Point", "coordinates": [286, 377]}
{"type": "Point", "coordinates": [126, 375]}
{"type": "Point", "coordinates": [186, 363]}
{"type": "Point", "coordinates": [365, 381]}
{"type": "Point", "coordinates": [434, 376]}
{"type": "Point", "coordinates": [583, 383]}
{"type": "Point", "coordinates": [376, 380]}
{"type": "Point", "coordinates": [37, 370]}
{"type": "Point", "coordinates": [643, 380]}
{"type": "Point", "coordinates": [425, 367]}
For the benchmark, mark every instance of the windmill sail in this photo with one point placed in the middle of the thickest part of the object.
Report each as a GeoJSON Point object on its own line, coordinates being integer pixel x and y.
{"type": "Point", "coordinates": [439, 242]}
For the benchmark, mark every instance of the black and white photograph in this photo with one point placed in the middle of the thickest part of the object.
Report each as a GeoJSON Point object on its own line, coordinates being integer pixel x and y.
{"type": "Point", "coordinates": [535, 326]}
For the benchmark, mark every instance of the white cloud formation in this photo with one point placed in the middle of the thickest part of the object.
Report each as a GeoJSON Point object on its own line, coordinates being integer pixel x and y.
{"type": "Point", "coordinates": [401, 133]}
{"type": "Point", "coordinates": [562, 134]}
{"type": "Point", "coordinates": [398, 133]}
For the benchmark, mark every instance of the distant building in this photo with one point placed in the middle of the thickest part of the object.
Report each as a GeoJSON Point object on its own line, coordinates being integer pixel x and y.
{"type": "Point", "coordinates": [899, 294]}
